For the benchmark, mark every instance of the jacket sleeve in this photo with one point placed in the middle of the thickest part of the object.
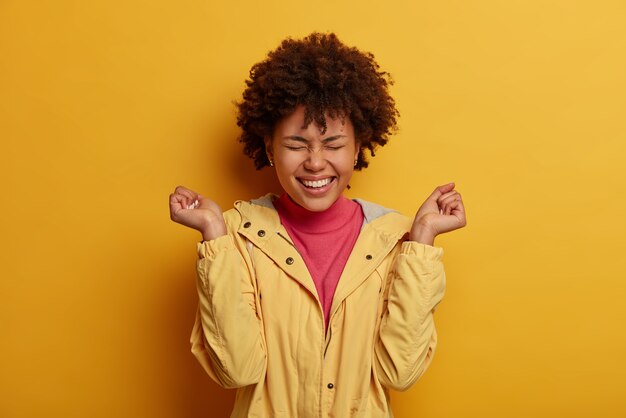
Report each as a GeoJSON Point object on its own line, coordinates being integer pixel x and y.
{"type": "Point", "coordinates": [407, 337]}
{"type": "Point", "coordinates": [227, 335]}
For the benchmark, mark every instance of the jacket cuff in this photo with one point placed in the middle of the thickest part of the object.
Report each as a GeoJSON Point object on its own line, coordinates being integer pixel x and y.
{"type": "Point", "coordinates": [422, 250]}
{"type": "Point", "coordinates": [208, 249]}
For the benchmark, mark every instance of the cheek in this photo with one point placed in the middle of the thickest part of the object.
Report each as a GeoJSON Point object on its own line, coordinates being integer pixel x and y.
{"type": "Point", "coordinates": [288, 162]}
{"type": "Point", "coordinates": [345, 162]}
{"type": "Point", "coordinates": [286, 166]}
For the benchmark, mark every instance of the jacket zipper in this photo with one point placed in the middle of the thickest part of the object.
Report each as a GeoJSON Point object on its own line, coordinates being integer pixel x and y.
{"type": "Point", "coordinates": [330, 336]}
{"type": "Point", "coordinates": [330, 330]}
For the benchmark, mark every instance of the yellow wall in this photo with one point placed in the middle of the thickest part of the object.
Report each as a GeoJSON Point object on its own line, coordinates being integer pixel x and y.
{"type": "Point", "coordinates": [106, 106]}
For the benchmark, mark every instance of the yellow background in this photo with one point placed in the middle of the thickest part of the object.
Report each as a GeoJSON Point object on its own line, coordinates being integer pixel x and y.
{"type": "Point", "coordinates": [106, 106]}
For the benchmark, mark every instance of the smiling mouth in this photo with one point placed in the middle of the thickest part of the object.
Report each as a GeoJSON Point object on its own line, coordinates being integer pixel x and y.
{"type": "Point", "coordinates": [316, 184]}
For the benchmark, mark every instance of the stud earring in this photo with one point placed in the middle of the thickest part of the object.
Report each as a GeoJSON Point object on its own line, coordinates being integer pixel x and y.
{"type": "Point", "coordinates": [356, 162]}
{"type": "Point", "coordinates": [271, 163]}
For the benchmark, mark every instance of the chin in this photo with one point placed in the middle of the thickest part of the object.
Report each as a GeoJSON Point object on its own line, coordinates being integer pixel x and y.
{"type": "Point", "coordinates": [318, 205]}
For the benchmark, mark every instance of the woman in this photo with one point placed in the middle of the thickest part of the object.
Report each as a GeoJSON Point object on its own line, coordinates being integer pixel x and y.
{"type": "Point", "coordinates": [311, 304]}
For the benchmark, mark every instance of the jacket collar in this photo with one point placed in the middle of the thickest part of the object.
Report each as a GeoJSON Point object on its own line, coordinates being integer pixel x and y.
{"type": "Point", "coordinates": [381, 231]}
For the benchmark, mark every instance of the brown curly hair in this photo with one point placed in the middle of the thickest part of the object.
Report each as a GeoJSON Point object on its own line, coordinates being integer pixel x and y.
{"type": "Point", "coordinates": [327, 78]}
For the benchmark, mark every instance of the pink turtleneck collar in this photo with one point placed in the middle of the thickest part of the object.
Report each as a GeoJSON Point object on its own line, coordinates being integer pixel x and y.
{"type": "Point", "coordinates": [333, 218]}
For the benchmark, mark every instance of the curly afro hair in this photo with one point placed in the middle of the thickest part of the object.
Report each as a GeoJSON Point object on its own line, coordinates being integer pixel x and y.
{"type": "Point", "coordinates": [327, 78]}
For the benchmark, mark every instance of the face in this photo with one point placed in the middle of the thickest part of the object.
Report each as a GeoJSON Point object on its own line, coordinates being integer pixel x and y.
{"type": "Point", "coordinates": [312, 168]}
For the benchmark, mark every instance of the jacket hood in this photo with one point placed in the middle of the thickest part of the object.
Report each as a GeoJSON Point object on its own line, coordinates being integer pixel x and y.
{"type": "Point", "coordinates": [371, 211]}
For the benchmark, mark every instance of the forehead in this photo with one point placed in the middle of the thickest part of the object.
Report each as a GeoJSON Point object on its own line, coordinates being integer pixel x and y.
{"type": "Point", "coordinates": [294, 124]}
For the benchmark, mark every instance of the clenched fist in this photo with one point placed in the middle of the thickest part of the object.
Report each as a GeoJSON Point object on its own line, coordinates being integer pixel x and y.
{"type": "Point", "coordinates": [195, 211]}
{"type": "Point", "coordinates": [443, 211]}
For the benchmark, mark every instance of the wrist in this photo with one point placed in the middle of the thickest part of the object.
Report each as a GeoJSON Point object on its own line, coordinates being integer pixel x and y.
{"type": "Point", "coordinates": [422, 235]}
{"type": "Point", "coordinates": [212, 232]}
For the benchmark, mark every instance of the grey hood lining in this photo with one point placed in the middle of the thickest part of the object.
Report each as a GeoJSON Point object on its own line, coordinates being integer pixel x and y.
{"type": "Point", "coordinates": [371, 210]}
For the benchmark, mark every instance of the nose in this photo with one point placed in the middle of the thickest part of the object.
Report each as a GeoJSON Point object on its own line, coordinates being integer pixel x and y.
{"type": "Point", "coordinates": [315, 161]}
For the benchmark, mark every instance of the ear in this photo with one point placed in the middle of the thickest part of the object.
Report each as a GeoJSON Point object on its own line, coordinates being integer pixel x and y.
{"type": "Point", "coordinates": [268, 147]}
{"type": "Point", "coordinates": [357, 146]}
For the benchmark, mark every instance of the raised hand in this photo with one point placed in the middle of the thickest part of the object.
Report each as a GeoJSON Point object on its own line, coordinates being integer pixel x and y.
{"type": "Point", "coordinates": [195, 211]}
{"type": "Point", "coordinates": [442, 212]}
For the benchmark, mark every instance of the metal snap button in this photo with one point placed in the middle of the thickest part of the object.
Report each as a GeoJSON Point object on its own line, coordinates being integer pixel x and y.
{"type": "Point", "coordinates": [289, 260]}
{"type": "Point", "coordinates": [330, 386]}
{"type": "Point", "coordinates": [247, 225]}
{"type": "Point", "coordinates": [369, 256]}
{"type": "Point", "coordinates": [261, 233]}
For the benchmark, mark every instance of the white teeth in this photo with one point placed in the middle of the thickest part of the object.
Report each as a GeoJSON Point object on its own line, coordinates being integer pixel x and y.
{"type": "Point", "coordinates": [317, 183]}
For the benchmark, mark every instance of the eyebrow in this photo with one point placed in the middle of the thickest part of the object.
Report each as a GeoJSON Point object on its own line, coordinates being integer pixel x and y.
{"type": "Point", "coordinates": [306, 141]}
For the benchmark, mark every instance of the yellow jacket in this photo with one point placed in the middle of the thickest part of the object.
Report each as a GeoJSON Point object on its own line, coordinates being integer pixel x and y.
{"type": "Point", "coordinates": [260, 326]}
